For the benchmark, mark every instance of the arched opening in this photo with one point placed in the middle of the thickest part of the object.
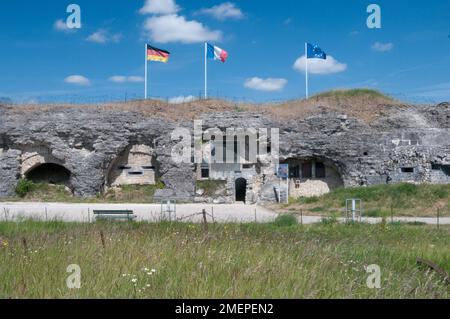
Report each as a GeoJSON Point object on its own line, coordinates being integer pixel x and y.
{"type": "Point", "coordinates": [49, 173]}
{"type": "Point", "coordinates": [241, 189]}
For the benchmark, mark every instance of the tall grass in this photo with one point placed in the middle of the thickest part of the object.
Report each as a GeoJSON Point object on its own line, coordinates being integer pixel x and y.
{"type": "Point", "coordinates": [171, 260]}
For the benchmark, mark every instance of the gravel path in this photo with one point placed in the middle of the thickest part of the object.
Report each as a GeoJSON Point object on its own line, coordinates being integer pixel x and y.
{"type": "Point", "coordinates": [152, 212]}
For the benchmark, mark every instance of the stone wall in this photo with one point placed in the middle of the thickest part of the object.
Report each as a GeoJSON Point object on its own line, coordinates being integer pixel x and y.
{"type": "Point", "coordinates": [88, 143]}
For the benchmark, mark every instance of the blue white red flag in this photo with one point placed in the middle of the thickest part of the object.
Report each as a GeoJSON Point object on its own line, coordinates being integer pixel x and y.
{"type": "Point", "coordinates": [216, 53]}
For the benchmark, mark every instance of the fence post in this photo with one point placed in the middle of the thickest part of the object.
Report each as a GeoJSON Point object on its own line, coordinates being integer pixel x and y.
{"type": "Point", "coordinates": [438, 216]}
{"type": "Point", "coordinates": [256, 220]}
{"type": "Point", "coordinates": [301, 217]}
{"type": "Point", "coordinates": [205, 221]}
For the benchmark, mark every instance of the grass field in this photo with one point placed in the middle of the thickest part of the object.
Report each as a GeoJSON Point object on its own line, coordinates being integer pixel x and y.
{"type": "Point", "coordinates": [28, 191]}
{"type": "Point", "coordinates": [380, 201]}
{"type": "Point", "coordinates": [279, 260]}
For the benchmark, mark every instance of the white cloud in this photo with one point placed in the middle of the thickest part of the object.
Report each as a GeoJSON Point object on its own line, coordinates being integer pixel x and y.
{"type": "Point", "coordinates": [103, 36]}
{"type": "Point", "coordinates": [182, 99]}
{"type": "Point", "coordinates": [175, 28]}
{"type": "Point", "coordinates": [61, 25]}
{"type": "Point", "coordinates": [319, 66]}
{"type": "Point", "coordinates": [382, 47]}
{"type": "Point", "coordinates": [224, 11]}
{"type": "Point", "coordinates": [268, 85]}
{"type": "Point", "coordinates": [159, 7]}
{"type": "Point", "coordinates": [125, 79]}
{"type": "Point", "coordinates": [136, 79]}
{"type": "Point", "coordinates": [77, 80]}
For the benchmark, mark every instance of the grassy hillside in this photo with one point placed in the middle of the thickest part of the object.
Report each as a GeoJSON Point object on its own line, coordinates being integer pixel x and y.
{"type": "Point", "coordinates": [381, 200]}
{"type": "Point", "coordinates": [352, 93]}
{"type": "Point", "coordinates": [365, 104]}
{"type": "Point", "coordinates": [140, 260]}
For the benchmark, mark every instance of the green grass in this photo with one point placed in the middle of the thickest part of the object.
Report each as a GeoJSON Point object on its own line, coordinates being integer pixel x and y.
{"type": "Point", "coordinates": [29, 191]}
{"type": "Point", "coordinates": [285, 221]}
{"type": "Point", "coordinates": [326, 260]}
{"type": "Point", "coordinates": [352, 93]}
{"type": "Point", "coordinates": [403, 199]}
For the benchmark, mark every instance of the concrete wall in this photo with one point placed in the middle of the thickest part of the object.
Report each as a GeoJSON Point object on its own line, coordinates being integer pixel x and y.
{"type": "Point", "coordinates": [134, 167]}
{"type": "Point", "coordinates": [313, 186]}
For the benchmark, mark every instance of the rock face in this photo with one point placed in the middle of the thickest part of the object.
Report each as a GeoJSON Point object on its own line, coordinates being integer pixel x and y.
{"type": "Point", "coordinates": [410, 144]}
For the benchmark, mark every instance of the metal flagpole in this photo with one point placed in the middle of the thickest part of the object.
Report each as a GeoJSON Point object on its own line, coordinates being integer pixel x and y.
{"type": "Point", "coordinates": [306, 69]}
{"type": "Point", "coordinates": [206, 70]}
{"type": "Point", "coordinates": [146, 67]}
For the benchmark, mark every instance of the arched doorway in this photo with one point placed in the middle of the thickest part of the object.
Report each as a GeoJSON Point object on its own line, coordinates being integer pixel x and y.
{"type": "Point", "coordinates": [49, 173]}
{"type": "Point", "coordinates": [241, 189]}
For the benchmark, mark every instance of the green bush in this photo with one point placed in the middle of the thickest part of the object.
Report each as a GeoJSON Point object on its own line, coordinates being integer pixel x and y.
{"type": "Point", "coordinates": [285, 221]}
{"type": "Point", "coordinates": [23, 187]}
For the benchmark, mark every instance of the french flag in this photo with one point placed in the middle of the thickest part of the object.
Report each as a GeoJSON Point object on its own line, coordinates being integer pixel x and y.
{"type": "Point", "coordinates": [216, 53]}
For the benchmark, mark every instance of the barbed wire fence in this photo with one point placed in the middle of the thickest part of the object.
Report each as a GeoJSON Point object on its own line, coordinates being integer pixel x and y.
{"type": "Point", "coordinates": [125, 97]}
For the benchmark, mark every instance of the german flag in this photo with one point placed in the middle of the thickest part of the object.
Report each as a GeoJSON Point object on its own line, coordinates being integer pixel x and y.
{"type": "Point", "coordinates": [157, 55]}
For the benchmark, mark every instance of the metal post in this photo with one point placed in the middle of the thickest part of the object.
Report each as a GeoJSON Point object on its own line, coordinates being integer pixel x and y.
{"type": "Point", "coordinates": [146, 72]}
{"type": "Point", "coordinates": [306, 69]}
{"type": "Point", "coordinates": [206, 71]}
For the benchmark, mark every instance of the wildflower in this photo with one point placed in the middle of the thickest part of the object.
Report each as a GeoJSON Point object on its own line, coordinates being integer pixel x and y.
{"type": "Point", "coordinates": [153, 270]}
{"type": "Point", "coordinates": [4, 243]}
{"type": "Point", "coordinates": [148, 285]}
{"type": "Point", "coordinates": [134, 280]}
{"type": "Point", "coordinates": [149, 273]}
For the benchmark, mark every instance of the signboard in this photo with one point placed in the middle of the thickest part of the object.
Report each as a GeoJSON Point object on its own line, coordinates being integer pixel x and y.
{"type": "Point", "coordinates": [283, 171]}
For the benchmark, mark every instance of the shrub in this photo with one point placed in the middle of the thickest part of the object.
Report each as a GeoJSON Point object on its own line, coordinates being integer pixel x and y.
{"type": "Point", "coordinates": [23, 187]}
{"type": "Point", "coordinates": [285, 221]}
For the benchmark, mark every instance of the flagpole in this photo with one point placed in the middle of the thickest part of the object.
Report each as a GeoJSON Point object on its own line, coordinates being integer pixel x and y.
{"type": "Point", "coordinates": [206, 70]}
{"type": "Point", "coordinates": [306, 69]}
{"type": "Point", "coordinates": [146, 71]}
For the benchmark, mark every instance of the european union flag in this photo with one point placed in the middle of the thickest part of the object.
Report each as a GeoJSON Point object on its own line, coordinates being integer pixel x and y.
{"type": "Point", "coordinates": [314, 52]}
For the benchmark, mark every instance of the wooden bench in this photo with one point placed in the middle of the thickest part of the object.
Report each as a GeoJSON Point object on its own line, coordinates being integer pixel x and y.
{"type": "Point", "coordinates": [114, 215]}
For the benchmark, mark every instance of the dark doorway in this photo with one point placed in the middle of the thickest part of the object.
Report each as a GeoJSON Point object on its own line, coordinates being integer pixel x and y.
{"type": "Point", "coordinates": [241, 189]}
{"type": "Point", "coordinates": [49, 173]}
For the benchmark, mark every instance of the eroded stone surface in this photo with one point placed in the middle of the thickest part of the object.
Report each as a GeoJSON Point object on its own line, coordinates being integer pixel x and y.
{"type": "Point", "coordinates": [410, 144]}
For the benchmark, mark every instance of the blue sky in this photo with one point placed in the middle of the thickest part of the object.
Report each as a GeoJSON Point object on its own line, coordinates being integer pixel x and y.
{"type": "Point", "coordinates": [409, 57]}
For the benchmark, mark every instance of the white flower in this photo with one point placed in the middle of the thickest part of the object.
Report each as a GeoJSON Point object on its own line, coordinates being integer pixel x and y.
{"type": "Point", "coordinates": [153, 270]}
{"type": "Point", "coordinates": [134, 280]}
{"type": "Point", "coordinates": [149, 273]}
